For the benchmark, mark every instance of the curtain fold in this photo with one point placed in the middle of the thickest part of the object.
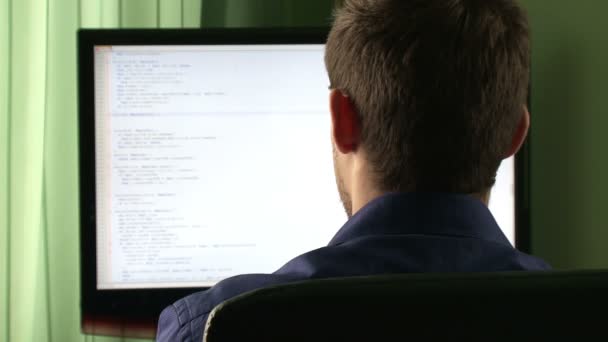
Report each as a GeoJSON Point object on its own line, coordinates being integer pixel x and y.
{"type": "Point", "coordinates": [39, 223]}
{"type": "Point", "coordinates": [5, 77]}
{"type": "Point", "coordinates": [27, 300]}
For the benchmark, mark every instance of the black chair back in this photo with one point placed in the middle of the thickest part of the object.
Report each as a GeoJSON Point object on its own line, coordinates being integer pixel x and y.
{"type": "Point", "coordinates": [478, 306]}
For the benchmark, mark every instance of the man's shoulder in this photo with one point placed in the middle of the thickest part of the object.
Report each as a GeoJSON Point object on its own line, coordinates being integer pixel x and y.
{"type": "Point", "coordinates": [184, 320]}
{"type": "Point", "coordinates": [530, 262]}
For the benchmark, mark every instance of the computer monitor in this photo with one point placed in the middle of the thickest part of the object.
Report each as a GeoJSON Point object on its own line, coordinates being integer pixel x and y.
{"type": "Point", "coordinates": [205, 154]}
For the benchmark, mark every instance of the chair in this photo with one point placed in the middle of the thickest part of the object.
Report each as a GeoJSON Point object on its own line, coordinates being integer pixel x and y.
{"type": "Point", "coordinates": [412, 307]}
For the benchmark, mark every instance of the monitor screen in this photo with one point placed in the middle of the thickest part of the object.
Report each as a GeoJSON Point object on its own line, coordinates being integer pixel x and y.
{"type": "Point", "coordinates": [207, 154]}
{"type": "Point", "coordinates": [215, 160]}
{"type": "Point", "coordinates": [212, 161]}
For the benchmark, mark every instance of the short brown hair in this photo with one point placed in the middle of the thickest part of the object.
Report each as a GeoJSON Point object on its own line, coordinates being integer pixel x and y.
{"type": "Point", "coordinates": [439, 87]}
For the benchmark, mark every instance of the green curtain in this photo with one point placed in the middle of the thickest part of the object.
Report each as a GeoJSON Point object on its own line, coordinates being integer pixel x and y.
{"type": "Point", "coordinates": [39, 258]}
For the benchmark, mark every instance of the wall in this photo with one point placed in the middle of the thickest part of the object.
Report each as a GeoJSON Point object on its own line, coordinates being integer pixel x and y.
{"type": "Point", "coordinates": [569, 125]}
{"type": "Point", "coordinates": [252, 13]}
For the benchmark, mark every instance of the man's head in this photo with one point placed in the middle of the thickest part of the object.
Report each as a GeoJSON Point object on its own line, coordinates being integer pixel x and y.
{"type": "Point", "coordinates": [428, 95]}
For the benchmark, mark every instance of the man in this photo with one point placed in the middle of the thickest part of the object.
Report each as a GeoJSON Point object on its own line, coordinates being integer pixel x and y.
{"type": "Point", "coordinates": [427, 97]}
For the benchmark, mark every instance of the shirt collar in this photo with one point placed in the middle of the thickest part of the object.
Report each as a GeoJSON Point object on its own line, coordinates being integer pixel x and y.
{"type": "Point", "coordinates": [443, 214]}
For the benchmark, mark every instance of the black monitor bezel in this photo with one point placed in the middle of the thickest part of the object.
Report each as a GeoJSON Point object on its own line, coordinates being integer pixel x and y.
{"type": "Point", "coordinates": [120, 310]}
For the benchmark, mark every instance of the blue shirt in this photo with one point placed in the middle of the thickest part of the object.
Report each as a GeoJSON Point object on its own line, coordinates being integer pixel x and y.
{"type": "Point", "coordinates": [396, 233]}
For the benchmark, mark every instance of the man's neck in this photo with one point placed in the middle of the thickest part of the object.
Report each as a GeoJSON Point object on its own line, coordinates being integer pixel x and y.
{"type": "Point", "coordinates": [364, 192]}
{"type": "Point", "coordinates": [483, 197]}
{"type": "Point", "coordinates": [364, 189]}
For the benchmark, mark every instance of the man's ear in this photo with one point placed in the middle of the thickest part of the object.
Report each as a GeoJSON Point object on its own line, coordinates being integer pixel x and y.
{"type": "Point", "coordinates": [521, 131]}
{"type": "Point", "coordinates": [346, 126]}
